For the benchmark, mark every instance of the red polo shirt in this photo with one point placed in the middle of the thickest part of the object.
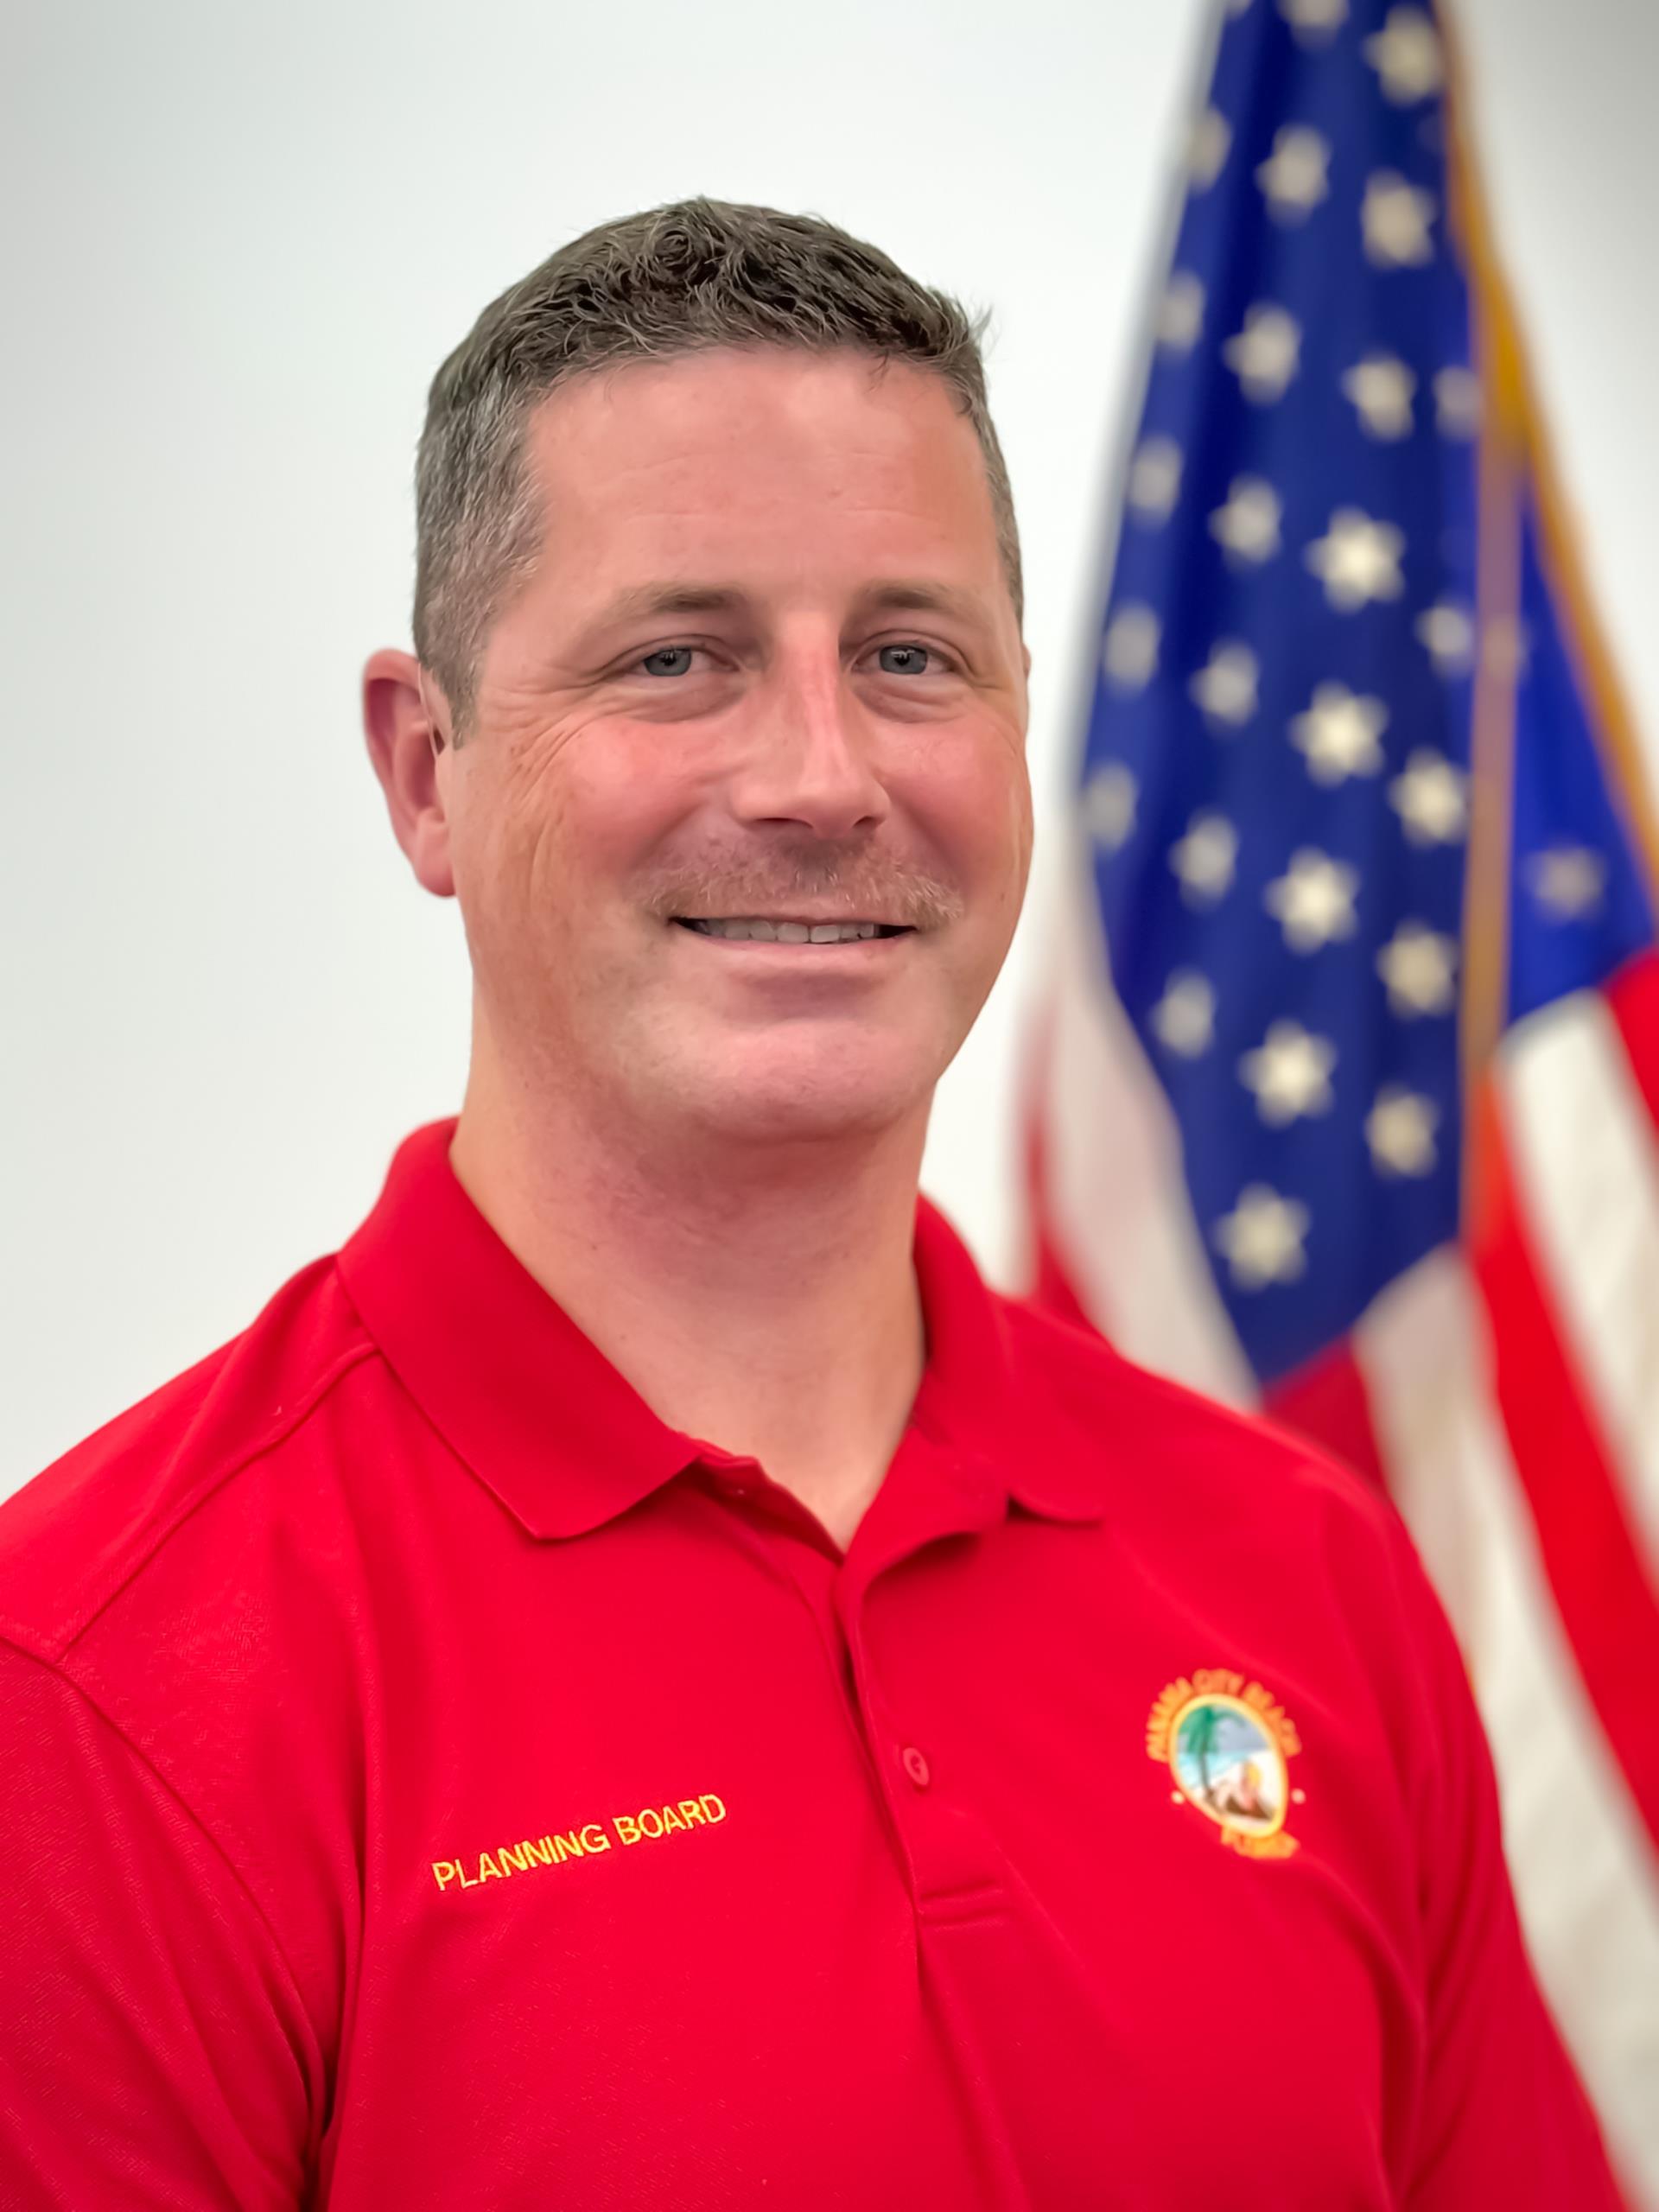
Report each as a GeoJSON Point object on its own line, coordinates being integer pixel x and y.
{"type": "Point", "coordinates": [427, 1780]}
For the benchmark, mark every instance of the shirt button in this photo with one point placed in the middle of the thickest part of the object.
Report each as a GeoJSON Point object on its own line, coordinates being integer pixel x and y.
{"type": "Point", "coordinates": [915, 1766]}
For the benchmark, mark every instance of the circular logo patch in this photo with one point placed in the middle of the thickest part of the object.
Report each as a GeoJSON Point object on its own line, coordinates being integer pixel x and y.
{"type": "Point", "coordinates": [1227, 1744]}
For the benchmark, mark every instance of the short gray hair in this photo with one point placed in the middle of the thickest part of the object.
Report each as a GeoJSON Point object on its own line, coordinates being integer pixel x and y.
{"type": "Point", "coordinates": [679, 279]}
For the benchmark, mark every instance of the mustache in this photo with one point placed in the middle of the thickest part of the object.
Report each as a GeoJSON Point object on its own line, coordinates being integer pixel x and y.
{"type": "Point", "coordinates": [863, 887]}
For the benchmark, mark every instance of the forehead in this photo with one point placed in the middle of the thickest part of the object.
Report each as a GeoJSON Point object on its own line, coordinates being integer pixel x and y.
{"type": "Point", "coordinates": [767, 459]}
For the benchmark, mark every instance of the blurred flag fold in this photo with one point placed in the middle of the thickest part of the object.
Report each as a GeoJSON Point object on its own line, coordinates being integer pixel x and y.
{"type": "Point", "coordinates": [1346, 1097]}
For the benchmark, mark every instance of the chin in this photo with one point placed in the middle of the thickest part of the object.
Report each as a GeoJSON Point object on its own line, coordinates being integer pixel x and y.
{"type": "Point", "coordinates": [804, 1103]}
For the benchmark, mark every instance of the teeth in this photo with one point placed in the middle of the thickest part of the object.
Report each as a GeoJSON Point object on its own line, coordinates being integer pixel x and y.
{"type": "Point", "coordinates": [764, 932]}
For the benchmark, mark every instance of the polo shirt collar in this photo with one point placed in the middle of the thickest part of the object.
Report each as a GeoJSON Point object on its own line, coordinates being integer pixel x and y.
{"type": "Point", "coordinates": [981, 1399]}
{"type": "Point", "coordinates": [543, 1420]}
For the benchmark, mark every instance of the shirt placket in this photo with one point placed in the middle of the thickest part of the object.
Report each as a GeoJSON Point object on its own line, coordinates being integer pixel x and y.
{"type": "Point", "coordinates": [929, 1494]}
{"type": "Point", "coordinates": [954, 1870]}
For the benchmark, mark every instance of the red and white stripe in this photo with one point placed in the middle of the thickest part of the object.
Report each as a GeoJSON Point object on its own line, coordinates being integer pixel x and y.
{"type": "Point", "coordinates": [1506, 1392]}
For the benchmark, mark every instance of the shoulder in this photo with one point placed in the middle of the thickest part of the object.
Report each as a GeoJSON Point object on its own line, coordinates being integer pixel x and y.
{"type": "Point", "coordinates": [1243, 1513]}
{"type": "Point", "coordinates": [1211, 1453]}
{"type": "Point", "coordinates": [91, 1525]}
{"type": "Point", "coordinates": [179, 1596]}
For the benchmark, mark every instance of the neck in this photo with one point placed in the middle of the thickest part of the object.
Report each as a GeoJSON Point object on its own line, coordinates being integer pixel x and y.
{"type": "Point", "coordinates": [761, 1298]}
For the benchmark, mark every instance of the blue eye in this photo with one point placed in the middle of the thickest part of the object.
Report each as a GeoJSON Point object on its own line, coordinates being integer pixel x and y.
{"type": "Point", "coordinates": [903, 660]}
{"type": "Point", "coordinates": [680, 655]}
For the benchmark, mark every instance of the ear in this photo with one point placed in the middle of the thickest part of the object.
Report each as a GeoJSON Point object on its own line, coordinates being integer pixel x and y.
{"type": "Point", "coordinates": [406, 721]}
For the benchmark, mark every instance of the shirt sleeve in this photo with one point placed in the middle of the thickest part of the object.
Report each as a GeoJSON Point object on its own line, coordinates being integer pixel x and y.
{"type": "Point", "coordinates": [154, 2052]}
{"type": "Point", "coordinates": [1503, 2119]}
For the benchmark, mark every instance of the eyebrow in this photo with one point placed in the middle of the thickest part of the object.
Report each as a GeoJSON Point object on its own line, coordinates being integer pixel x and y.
{"type": "Point", "coordinates": [904, 596]}
{"type": "Point", "coordinates": [646, 600]}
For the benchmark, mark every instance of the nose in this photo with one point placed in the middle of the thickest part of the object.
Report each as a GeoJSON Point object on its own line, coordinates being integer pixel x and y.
{"type": "Point", "coordinates": [809, 758]}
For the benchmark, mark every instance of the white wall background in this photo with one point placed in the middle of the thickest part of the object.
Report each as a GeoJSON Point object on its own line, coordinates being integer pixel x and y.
{"type": "Point", "coordinates": [237, 242]}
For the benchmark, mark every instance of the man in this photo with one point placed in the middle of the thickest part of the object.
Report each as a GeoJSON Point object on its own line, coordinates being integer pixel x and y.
{"type": "Point", "coordinates": [640, 1681]}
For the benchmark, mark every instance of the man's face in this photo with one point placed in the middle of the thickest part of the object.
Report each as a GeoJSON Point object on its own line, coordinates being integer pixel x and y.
{"type": "Point", "coordinates": [767, 672]}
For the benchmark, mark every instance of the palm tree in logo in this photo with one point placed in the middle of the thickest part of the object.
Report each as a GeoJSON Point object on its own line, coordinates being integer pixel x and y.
{"type": "Point", "coordinates": [1199, 1740]}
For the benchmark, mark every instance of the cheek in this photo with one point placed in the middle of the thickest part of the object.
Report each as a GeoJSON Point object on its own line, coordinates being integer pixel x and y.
{"type": "Point", "coordinates": [574, 820]}
{"type": "Point", "coordinates": [973, 800]}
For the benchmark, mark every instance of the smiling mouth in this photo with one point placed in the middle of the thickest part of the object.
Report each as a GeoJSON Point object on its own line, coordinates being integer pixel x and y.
{"type": "Point", "coordinates": [759, 929]}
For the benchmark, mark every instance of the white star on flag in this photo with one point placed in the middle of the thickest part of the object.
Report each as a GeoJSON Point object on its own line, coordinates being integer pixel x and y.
{"type": "Point", "coordinates": [1205, 859]}
{"type": "Point", "coordinates": [1184, 1020]}
{"type": "Point", "coordinates": [1180, 313]}
{"type": "Point", "coordinates": [1109, 804]}
{"type": "Point", "coordinates": [1225, 687]}
{"type": "Point", "coordinates": [1567, 881]}
{"type": "Point", "coordinates": [1395, 217]}
{"type": "Point", "coordinates": [1431, 798]}
{"type": "Point", "coordinates": [1294, 179]}
{"type": "Point", "coordinates": [1154, 482]}
{"type": "Point", "coordinates": [1448, 631]}
{"type": "Point", "coordinates": [1339, 733]}
{"type": "Point", "coordinates": [1261, 1239]}
{"type": "Point", "coordinates": [1406, 55]}
{"type": "Point", "coordinates": [1457, 403]}
{"type": "Point", "coordinates": [1314, 21]}
{"type": "Point", "coordinates": [1400, 1130]}
{"type": "Point", "coordinates": [1130, 654]}
{"type": "Point", "coordinates": [1289, 1073]}
{"type": "Point", "coordinates": [1313, 900]}
{"type": "Point", "coordinates": [1265, 353]}
{"type": "Point", "coordinates": [1380, 387]}
{"type": "Point", "coordinates": [1358, 560]}
{"type": "Point", "coordinates": [1207, 148]}
{"type": "Point", "coordinates": [1247, 527]}
{"type": "Point", "coordinates": [1417, 964]}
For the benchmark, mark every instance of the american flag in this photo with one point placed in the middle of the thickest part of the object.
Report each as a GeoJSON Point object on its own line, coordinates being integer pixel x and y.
{"type": "Point", "coordinates": [1347, 1092]}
